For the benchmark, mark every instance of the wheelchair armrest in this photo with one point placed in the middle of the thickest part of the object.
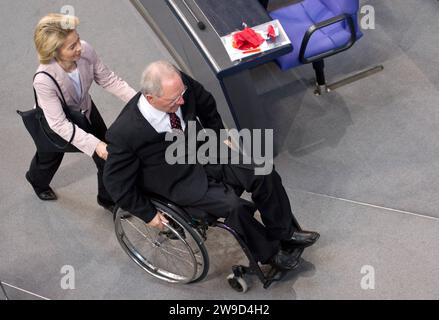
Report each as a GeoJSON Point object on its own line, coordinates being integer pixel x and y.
{"type": "Point", "coordinates": [322, 25]}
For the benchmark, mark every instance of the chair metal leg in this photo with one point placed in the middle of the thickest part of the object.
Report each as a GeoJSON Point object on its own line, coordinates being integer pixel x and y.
{"type": "Point", "coordinates": [319, 68]}
{"type": "Point", "coordinates": [355, 77]}
{"type": "Point", "coordinates": [322, 87]}
{"type": "Point", "coordinates": [4, 291]}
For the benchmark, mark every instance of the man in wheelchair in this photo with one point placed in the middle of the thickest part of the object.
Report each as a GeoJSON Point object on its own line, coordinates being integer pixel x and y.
{"type": "Point", "coordinates": [136, 166]}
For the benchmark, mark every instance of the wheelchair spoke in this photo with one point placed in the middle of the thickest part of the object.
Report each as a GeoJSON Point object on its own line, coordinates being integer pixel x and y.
{"type": "Point", "coordinates": [169, 249]}
{"type": "Point", "coordinates": [160, 239]}
{"type": "Point", "coordinates": [183, 251]}
{"type": "Point", "coordinates": [163, 244]}
{"type": "Point", "coordinates": [171, 263]}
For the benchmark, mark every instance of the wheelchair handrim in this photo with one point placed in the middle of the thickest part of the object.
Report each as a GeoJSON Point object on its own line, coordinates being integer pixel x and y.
{"type": "Point", "coordinates": [161, 273]}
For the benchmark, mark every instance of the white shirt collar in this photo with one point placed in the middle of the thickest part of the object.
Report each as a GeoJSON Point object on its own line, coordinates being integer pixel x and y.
{"type": "Point", "coordinates": [157, 118]}
{"type": "Point", "coordinates": [149, 112]}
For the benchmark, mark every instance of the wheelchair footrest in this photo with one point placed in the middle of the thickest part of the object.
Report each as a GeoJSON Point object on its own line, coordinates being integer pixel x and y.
{"type": "Point", "coordinates": [240, 270]}
{"type": "Point", "coordinates": [274, 275]}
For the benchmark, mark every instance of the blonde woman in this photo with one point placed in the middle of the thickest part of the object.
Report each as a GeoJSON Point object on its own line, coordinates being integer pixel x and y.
{"type": "Point", "coordinates": [75, 65]}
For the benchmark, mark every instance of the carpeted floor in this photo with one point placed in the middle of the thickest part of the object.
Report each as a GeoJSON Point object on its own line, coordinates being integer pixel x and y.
{"type": "Point", "coordinates": [358, 164]}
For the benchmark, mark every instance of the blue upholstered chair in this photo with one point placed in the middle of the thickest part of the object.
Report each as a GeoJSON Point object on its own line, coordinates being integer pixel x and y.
{"type": "Point", "coordinates": [319, 29]}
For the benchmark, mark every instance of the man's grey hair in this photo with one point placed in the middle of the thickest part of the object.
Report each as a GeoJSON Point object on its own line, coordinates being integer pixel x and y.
{"type": "Point", "coordinates": [154, 74]}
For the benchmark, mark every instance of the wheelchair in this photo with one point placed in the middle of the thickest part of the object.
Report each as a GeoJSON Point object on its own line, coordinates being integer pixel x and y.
{"type": "Point", "coordinates": [178, 254]}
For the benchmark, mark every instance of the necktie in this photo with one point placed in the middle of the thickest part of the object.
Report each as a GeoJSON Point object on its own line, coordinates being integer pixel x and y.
{"type": "Point", "coordinates": [175, 121]}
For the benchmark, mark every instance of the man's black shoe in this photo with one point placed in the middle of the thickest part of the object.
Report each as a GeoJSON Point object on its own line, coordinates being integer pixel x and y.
{"type": "Point", "coordinates": [284, 260]}
{"type": "Point", "coordinates": [301, 239]}
{"type": "Point", "coordinates": [45, 195]}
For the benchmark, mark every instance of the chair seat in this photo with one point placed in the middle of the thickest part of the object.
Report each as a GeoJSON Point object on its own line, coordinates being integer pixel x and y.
{"type": "Point", "coordinates": [296, 19]}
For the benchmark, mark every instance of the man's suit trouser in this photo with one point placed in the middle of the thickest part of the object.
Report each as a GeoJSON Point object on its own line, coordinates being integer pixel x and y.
{"type": "Point", "coordinates": [222, 200]}
{"type": "Point", "coordinates": [45, 164]}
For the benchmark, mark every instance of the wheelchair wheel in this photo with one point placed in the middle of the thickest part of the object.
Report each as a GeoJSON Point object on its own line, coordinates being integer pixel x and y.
{"type": "Point", "coordinates": [176, 254]}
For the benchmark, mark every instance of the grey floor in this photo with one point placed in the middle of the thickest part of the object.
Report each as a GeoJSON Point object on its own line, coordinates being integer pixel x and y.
{"type": "Point", "coordinates": [360, 166]}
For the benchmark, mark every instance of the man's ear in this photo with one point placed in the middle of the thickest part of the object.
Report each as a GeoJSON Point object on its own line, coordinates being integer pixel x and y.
{"type": "Point", "coordinates": [149, 98]}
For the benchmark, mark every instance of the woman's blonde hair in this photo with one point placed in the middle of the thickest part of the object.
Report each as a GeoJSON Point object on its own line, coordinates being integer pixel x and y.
{"type": "Point", "coordinates": [50, 34]}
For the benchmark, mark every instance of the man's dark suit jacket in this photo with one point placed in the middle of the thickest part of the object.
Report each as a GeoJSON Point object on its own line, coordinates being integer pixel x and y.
{"type": "Point", "coordinates": [136, 162]}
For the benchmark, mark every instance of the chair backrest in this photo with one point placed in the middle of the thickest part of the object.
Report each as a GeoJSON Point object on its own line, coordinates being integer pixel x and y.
{"type": "Point", "coordinates": [318, 8]}
{"type": "Point", "coordinates": [311, 44]}
{"type": "Point", "coordinates": [345, 6]}
{"type": "Point", "coordinates": [342, 6]}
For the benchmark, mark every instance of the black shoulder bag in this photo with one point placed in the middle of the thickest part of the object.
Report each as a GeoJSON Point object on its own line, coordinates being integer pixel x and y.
{"type": "Point", "coordinates": [46, 140]}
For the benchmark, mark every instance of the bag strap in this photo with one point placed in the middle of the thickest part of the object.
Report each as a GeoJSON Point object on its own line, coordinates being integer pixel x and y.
{"type": "Point", "coordinates": [40, 119]}
{"type": "Point", "coordinates": [63, 101]}
{"type": "Point", "coordinates": [57, 85]}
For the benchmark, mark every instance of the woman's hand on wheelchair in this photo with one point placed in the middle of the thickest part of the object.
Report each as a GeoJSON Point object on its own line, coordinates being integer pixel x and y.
{"type": "Point", "coordinates": [159, 221]}
{"type": "Point", "coordinates": [101, 150]}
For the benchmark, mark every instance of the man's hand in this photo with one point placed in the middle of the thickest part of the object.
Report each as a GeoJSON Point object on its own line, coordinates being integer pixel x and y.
{"type": "Point", "coordinates": [230, 144]}
{"type": "Point", "coordinates": [101, 150]}
{"type": "Point", "coordinates": [158, 221]}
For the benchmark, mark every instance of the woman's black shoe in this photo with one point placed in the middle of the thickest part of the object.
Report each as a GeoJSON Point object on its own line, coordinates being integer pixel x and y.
{"type": "Point", "coordinates": [106, 205]}
{"type": "Point", "coordinates": [46, 195]}
{"type": "Point", "coordinates": [111, 206]}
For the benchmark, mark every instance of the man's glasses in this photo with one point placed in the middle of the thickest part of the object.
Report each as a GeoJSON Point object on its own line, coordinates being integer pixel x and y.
{"type": "Point", "coordinates": [179, 96]}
